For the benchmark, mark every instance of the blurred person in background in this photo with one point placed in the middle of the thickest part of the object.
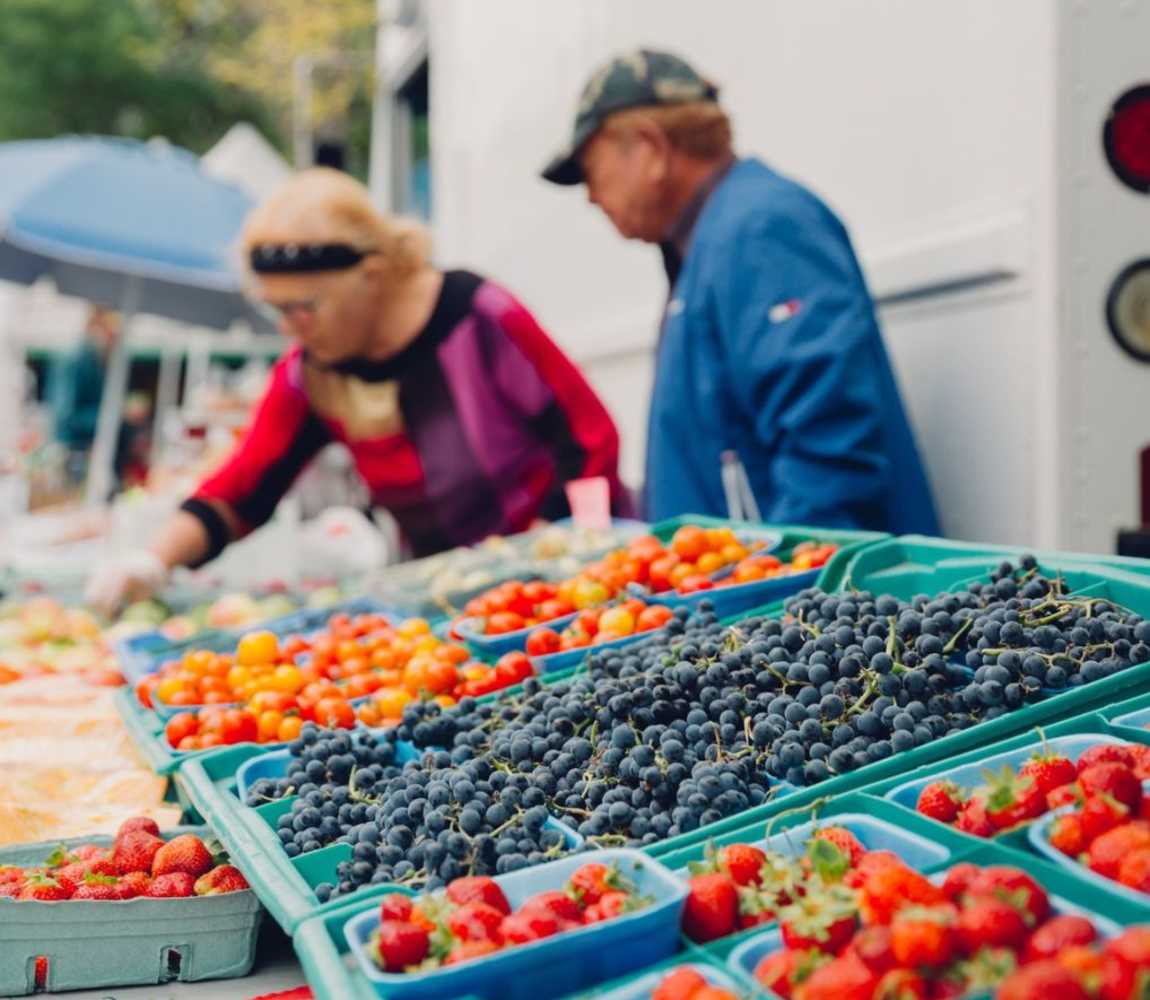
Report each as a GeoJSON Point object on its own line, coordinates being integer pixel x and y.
{"type": "Point", "coordinates": [462, 416]}
{"type": "Point", "coordinates": [769, 345]}
{"type": "Point", "coordinates": [75, 388]}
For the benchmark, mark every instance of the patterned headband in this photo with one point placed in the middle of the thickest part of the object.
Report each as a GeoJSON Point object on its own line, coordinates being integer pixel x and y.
{"type": "Point", "coordinates": [287, 258]}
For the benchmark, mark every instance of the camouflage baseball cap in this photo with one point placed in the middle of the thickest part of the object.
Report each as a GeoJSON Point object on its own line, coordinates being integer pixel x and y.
{"type": "Point", "coordinates": [636, 79]}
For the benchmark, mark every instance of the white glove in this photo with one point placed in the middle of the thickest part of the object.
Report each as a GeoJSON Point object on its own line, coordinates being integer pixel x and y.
{"type": "Point", "coordinates": [131, 577]}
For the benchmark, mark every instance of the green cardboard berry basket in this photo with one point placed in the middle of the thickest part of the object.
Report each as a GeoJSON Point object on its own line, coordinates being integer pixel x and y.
{"type": "Point", "coordinates": [94, 944]}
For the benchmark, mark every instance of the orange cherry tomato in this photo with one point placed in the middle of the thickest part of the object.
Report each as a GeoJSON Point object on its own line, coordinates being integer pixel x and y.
{"type": "Point", "coordinates": [289, 728]}
{"type": "Point", "coordinates": [335, 713]}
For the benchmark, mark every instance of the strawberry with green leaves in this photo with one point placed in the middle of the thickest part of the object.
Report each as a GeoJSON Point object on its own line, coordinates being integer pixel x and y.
{"type": "Point", "coordinates": [44, 889]}
{"type": "Point", "coordinates": [1117, 781]}
{"type": "Point", "coordinates": [924, 935]}
{"type": "Point", "coordinates": [973, 819]}
{"type": "Point", "coordinates": [480, 889]}
{"type": "Point", "coordinates": [844, 978]}
{"type": "Point", "coordinates": [1012, 799]}
{"type": "Point", "coordinates": [98, 887]}
{"type": "Point", "coordinates": [398, 945]}
{"type": "Point", "coordinates": [712, 907]}
{"type": "Point", "coordinates": [990, 922]}
{"type": "Point", "coordinates": [221, 879]}
{"type": "Point", "coordinates": [1014, 886]}
{"type": "Point", "coordinates": [824, 917]}
{"type": "Point", "coordinates": [1048, 769]}
{"type": "Point", "coordinates": [940, 800]}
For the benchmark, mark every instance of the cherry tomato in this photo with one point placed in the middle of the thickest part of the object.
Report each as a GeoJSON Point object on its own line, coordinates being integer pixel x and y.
{"type": "Point", "coordinates": [335, 713]}
{"type": "Point", "coordinates": [542, 642]}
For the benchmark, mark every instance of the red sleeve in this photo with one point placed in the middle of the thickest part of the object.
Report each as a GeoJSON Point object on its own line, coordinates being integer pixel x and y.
{"type": "Point", "coordinates": [283, 437]}
{"type": "Point", "coordinates": [576, 423]}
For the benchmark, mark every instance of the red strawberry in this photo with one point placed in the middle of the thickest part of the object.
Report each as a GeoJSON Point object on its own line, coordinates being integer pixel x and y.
{"type": "Point", "coordinates": [45, 889]}
{"type": "Point", "coordinates": [1067, 834]}
{"type": "Point", "coordinates": [1115, 780]}
{"type": "Point", "coordinates": [989, 922]}
{"type": "Point", "coordinates": [1127, 959]}
{"type": "Point", "coordinates": [872, 946]}
{"type": "Point", "coordinates": [221, 879]}
{"type": "Point", "coordinates": [681, 984]}
{"type": "Point", "coordinates": [98, 887]}
{"type": "Point", "coordinates": [1105, 753]}
{"type": "Point", "coordinates": [958, 879]}
{"type": "Point", "coordinates": [71, 875]}
{"type": "Point", "coordinates": [475, 922]}
{"type": "Point", "coordinates": [395, 906]}
{"type": "Point", "coordinates": [902, 984]}
{"type": "Point", "coordinates": [133, 884]}
{"type": "Point", "coordinates": [90, 852]}
{"type": "Point", "coordinates": [940, 800]}
{"type": "Point", "coordinates": [10, 889]}
{"type": "Point", "coordinates": [1065, 795]}
{"type": "Point", "coordinates": [174, 884]}
{"type": "Point", "coordinates": [144, 824]}
{"type": "Point", "coordinates": [924, 935]}
{"type": "Point", "coordinates": [101, 866]}
{"type": "Point", "coordinates": [1015, 887]}
{"type": "Point", "coordinates": [743, 863]}
{"type": "Point", "coordinates": [464, 951]}
{"type": "Point", "coordinates": [782, 971]}
{"type": "Point", "coordinates": [1045, 980]}
{"type": "Point", "coordinates": [1106, 852]}
{"type": "Point", "coordinates": [610, 905]}
{"type": "Point", "coordinates": [972, 819]}
{"type": "Point", "coordinates": [185, 853]}
{"type": "Point", "coordinates": [588, 882]}
{"type": "Point", "coordinates": [843, 978]}
{"type": "Point", "coordinates": [1101, 813]}
{"type": "Point", "coordinates": [888, 890]}
{"type": "Point", "coordinates": [822, 918]}
{"type": "Point", "coordinates": [870, 862]}
{"type": "Point", "coordinates": [10, 873]}
{"type": "Point", "coordinates": [398, 944]}
{"type": "Point", "coordinates": [1049, 770]}
{"type": "Point", "coordinates": [478, 889]}
{"type": "Point", "coordinates": [135, 851]}
{"type": "Point", "coordinates": [1139, 760]}
{"type": "Point", "coordinates": [1134, 872]}
{"type": "Point", "coordinates": [1012, 799]}
{"type": "Point", "coordinates": [1059, 932]}
{"type": "Point", "coordinates": [557, 903]}
{"type": "Point", "coordinates": [1086, 965]}
{"type": "Point", "coordinates": [712, 907]}
{"type": "Point", "coordinates": [844, 840]}
{"type": "Point", "coordinates": [529, 925]}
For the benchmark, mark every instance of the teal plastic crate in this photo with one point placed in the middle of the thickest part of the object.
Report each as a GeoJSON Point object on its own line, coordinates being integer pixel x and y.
{"type": "Point", "coordinates": [94, 944]}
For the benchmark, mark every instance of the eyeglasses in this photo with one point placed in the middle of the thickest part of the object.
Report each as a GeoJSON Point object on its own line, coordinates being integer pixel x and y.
{"type": "Point", "coordinates": [275, 311]}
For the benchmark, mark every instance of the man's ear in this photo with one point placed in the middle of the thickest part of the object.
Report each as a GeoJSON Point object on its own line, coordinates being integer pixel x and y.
{"type": "Point", "coordinates": [651, 134]}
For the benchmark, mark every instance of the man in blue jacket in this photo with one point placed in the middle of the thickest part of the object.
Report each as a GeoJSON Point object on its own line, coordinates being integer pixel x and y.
{"type": "Point", "coordinates": [769, 345]}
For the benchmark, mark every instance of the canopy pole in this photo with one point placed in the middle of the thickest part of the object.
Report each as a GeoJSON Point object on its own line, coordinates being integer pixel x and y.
{"type": "Point", "coordinates": [167, 391]}
{"type": "Point", "coordinates": [102, 459]}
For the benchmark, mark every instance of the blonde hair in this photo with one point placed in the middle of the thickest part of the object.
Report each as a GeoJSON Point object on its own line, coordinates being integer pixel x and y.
{"type": "Point", "coordinates": [700, 129]}
{"type": "Point", "coordinates": [322, 205]}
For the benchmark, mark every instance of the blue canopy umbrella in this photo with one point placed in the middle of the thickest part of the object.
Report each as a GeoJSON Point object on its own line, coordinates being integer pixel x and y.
{"type": "Point", "coordinates": [135, 225]}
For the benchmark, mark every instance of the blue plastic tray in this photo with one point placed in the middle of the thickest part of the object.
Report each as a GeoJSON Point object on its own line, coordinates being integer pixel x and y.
{"type": "Point", "coordinates": [1139, 721]}
{"type": "Point", "coordinates": [553, 966]}
{"type": "Point", "coordinates": [275, 764]}
{"type": "Point", "coordinates": [740, 596]}
{"type": "Point", "coordinates": [554, 662]}
{"type": "Point", "coordinates": [507, 642]}
{"type": "Point", "coordinates": [1038, 836]}
{"type": "Point", "coordinates": [969, 775]}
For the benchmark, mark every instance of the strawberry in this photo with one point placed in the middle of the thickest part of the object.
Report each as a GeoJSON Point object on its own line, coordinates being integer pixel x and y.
{"type": "Point", "coordinates": [133, 884]}
{"type": "Point", "coordinates": [464, 951]}
{"type": "Point", "coordinates": [1012, 799]}
{"type": "Point", "coordinates": [529, 925]}
{"type": "Point", "coordinates": [45, 889]}
{"type": "Point", "coordinates": [610, 905]}
{"type": "Point", "coordinates": [972, 818]}
{"type": "Point", "coordinates": [924, 935]}
{"type": "Point", "coordinates": [221, 879]}
{"type": "Point", "coordinates": [1116, 780]}
{"type": "Point", "coordinates": [958, 879]}
{"type": "Point", "coordinates": [185, 853]}
{"type": "Point", "coordinates": [681, 984]}
{"type": "Point", "coordinates": [10, 889]}
{"type": "Point", "coordinates": [475, 922]}
{"type": "Point", "coordinates": [557, 903]}
{"type": "Point", "coordinates": [71, 875]}
{"type": "Point", "coordinates": [1015, 887]}
{"type": "Point", "coordinates": [902, 984]}
{"type": "Point", "coordinates": [1065, 795]}
{"type": "Point", "coordinates": [90, 852]}
{"type": "Point", "coordinates": [478, 889]}
{"type": "Point", "coordinates": [891, 888]}
{"type": "Point", "coordinates": [1105, 753]}
{"type": "Point", "coordinates": [1139, 760]}
{"type": "Point", "coordinates": [776, 972]}
{"type": "Point", "coordinates": [1126, 960]}
{"type": "Point", "coordinates": [590, 881]}
{"type": "Point", "coordinates": [1101, 813]}
{"type": "Point", "coordinates": [713, 993]}
{"type": "Point", "coordinates": [1105, 853]}
{"type": "Point", "coordinates": [101, 866]}
{"type": "Point", "coordinates": [1049, 771]}
{"type": "Point", "coordinates": [135, 851]}
{"type": "Point", "coordinates": [98, 887]}
{"type": "Point", "coordinates": [870, 862]}
{"type": "Point", "coordinates": [172, 885]}
{"type": "Point", "coordinates": [843, 978]}
{"type": "Point", "coordinates": [1134, 871]}
{"type": "Point", "coordinates": [872, 946]}
{"type": "Point", "coordinates": [940, 800]}
{"type": "Point", "coordinates": [844, 840]}
{"type": "Point", "coordinates": [1046, 980]}
{"type": "Point", "coordinates": [1059, 932]}
{"type": "Point", "coordinates": [1085, 964]}
{"type": "Point", "coordinates": [1067, 834]}
{"type": "Point", "coordinates": [144, 824]}
{"type": "Point", "coordinates": [743, 863]}
{"type": "Point", "coordinates": [712, 907]}
{"type": "Point", "coordinates": [395, 906]}
{"type": "Point", "coordinates": [823, 918]}
{"type": "Point", "coordinates": [990, 922]}
{"type": "Point", "coordinates": [398, 945]}
{"type": "Point", "coordinates": [11, 873]}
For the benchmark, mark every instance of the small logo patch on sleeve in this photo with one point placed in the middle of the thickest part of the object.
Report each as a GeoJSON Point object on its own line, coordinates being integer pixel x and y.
{"type": "Point", "coordinates": [783, 311]}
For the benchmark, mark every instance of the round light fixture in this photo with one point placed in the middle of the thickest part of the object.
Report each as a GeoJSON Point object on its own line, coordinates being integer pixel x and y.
{"type": "Point", "coordinates": [1128, 309]}
{"type": "Point", "coordinates": [1126, 138]}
